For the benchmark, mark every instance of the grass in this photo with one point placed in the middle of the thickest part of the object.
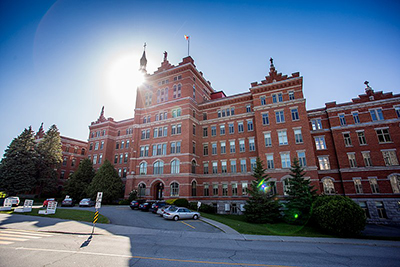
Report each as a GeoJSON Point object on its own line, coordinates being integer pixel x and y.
{"type": "Point", "coordinates": [68, 214]}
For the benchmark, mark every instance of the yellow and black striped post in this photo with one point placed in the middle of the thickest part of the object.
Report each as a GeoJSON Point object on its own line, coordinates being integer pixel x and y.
{"type": "Point", "coordinates": [95, 218]}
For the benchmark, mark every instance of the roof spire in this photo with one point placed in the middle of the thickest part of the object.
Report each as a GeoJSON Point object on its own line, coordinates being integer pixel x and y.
{"type": "Point", "coordinates": [143, 60]}
{"type": "Point", "coordinates": [368, 89]}
{"type": "Point", "coordinates": [272, 62]}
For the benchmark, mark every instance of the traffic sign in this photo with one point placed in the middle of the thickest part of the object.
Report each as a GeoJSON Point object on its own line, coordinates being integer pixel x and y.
{"type": "Point", "coordinates": [99, 196]}
{"type": "Point", "coordinates": [98, 205]}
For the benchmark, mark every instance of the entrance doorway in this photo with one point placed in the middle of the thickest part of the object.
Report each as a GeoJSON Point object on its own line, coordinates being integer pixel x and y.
{"type": "Point", "coordinates": [159, 191]}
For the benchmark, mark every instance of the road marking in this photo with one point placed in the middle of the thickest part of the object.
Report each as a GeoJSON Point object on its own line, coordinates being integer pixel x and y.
{"type": "Point", "coordinates": [147, 258]}
{"type": "Point", "coordinates": [188, 225]}
{"type": "Point", "coordinates": [5, 242]}
{"type": "Point", "coordinates": [19, 235]}
{"type": "Point", "coordinates": [24, 236]}
{"type": "Point", "coordinates": [33, 233]}
{"type": "Point", "coordinates": [12, 238]}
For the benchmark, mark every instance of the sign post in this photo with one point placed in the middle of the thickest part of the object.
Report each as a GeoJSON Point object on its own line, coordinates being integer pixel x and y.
{"type": "Point", "coordinates": [198, 205]}
{"type": "Point", "coordinates": [97, 207]}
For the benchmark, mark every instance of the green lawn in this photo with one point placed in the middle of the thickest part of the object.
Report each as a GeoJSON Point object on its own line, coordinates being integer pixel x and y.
{"type": "Point", "coordinates": [238, 223]}
{"type": "Point", "coordinates": [68, 214]}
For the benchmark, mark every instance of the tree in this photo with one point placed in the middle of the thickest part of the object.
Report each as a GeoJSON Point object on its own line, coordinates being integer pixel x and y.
{"type": "Point", "coordinates": [301, 195]}
{"type": "Point", "coordinates": [261, 207]}
{"type": "Point", "coordinates": [106, 180]}
{"type": "Point", "coordinates": [17, 168]}
{"type": "Point", "coordinates": [50, 157]}
{"type": "Point", "coordinates": [78, 184]}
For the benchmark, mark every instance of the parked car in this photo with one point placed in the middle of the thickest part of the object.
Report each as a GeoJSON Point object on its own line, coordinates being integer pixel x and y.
{"type": "Point", "coordinates": [86, 202]}
{"type": "Point", "coordinates": [135, 203]}
{"type": "Point", "coordinates": [161, 210]}
{"type": "Point", "coordinates": [146, 206]}
{"type": "Point", "coordinates": [14, 201]}
{"type": "Point", "coordinates": [157, 205]}
{"type": "Point", "coordinates": [67, 202]}
{"type": "Point", "coordinates": [47, 201]}
{"type": "Point", "coordinates": [181, 213]}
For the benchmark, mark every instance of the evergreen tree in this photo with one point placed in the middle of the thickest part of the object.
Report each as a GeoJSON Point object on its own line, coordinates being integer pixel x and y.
{"type": "Point", "coordinates": [106, 180]}
{"type": "Point", "coordinates": [77, 185]}
{"type": "Point", "coordinates": [261, 207]}
{"type": "Point", "coordinates": [17, 168]}
{"type": "Point", "coordinates": [50, 157]}
{"type": "Point", "coordinates": [301, 195]}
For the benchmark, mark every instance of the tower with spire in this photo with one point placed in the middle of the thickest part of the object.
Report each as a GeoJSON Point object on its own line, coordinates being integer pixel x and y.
{"type": "Point", "coordinates": [143, 60]}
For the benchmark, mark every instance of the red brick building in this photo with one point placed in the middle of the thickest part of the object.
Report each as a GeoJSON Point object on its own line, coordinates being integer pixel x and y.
{"type": "Point", "coordinates": [188, 140]}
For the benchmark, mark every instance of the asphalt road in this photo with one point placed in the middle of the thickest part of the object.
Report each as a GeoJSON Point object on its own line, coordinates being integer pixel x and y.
{"type": "Point", "coordinates": [124, 215]}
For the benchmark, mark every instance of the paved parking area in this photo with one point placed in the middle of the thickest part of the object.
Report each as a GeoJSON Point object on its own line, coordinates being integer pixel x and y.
{"type": "Point", "coordinates": [124, 215]}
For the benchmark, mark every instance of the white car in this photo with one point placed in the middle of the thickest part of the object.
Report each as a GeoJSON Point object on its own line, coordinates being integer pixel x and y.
{"type": "Point", "coordinates": [181, 213]}
{"type": "Point", "coordinates": [160, 211]}
{"type": "Point", "coordinates": [14, 201]}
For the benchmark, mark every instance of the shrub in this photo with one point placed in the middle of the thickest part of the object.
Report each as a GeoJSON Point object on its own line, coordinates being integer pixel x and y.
{"type": "Point", "coordinates": [181, 202]}
{"type": "Point", "coordinates": [338, 215]}
{"type": "Point", "coordinates": [124, 202]}
{"type": "Point", "coordinates": [132, 195]}
{"type": "Point", "coordinates": [203, 208]}
{"type": "Point", "coordinates": [170, 201]}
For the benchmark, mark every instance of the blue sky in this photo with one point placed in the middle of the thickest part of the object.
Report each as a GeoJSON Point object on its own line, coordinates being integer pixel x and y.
{"type": "Point", "coordinates": [61, 61]}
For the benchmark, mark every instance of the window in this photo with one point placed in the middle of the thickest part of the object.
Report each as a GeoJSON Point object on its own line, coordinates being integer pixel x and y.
{"type": "Point", "coordinates": [74, 161]}
{"type": "Point", "coordinates": [174, 189]}
{"type": "Point", "coordinates": [320, 142]}
{"type": "Point", "coordinates": [342, 119]}
{"type": "Point", "coordinates": [302, 158]}
{"type": "Point", "coordinates": [204, 116]}
{"type": "Point", "coordinates": [373, 182]}
{"type": "Point", "coordinates": [158, 167]}
{"type": "Point", "coordinates": [213, 130]}
{"type": "Point", "coordinates": [194, 92]}
{"type": "Point", "coordinates": [282, 137]}
{"type": "Point", "coordinates": [367, 159]}
{"type": "Point", "coordinates": [380, 209]}
{"type": "Point", "coordinates": [215, 167]}
{"type": "Point", "coordinates": [356, 117]}
{"type": "Point", "coordinates": [165, 131]}
{"type": "Point", "coordinates": [214, 148]}
{"type": "Point", "coordinates": [223, 166]}
{"type": "Point", "coordinates": [280, 97]}
{"type": "Point", "coordinates": [96, 146]}
{"type": "Point", "coordinates": [364, 206]}
{"type": "Point", "coordinates": [224, 189]}
{"type": "Point", "coordinates": [252, 164]}
{"type": "Point", "coordinates": [143, 168]}
{"type": "Point", "coordinates": [248, 108]}
{"type": "Point", "coordinates": [361, 138]}
{"type": "Point", "coordinates": [215, 189]}
{"type": "Point", "coordinates": [142, 190]}
{"type": "Point", "coordinates": [115, 159]}
{"type": "Point", "coordinates": [120, 158]}
{"type": "Point", "coordinates": [390, 158]}
{"type": "Point", "coordinates": [285, 159]}
{"type": "Point", "coordinates": [143, 136]}
{"type": "Point", "coordinates": [244, 188]}
{"type": "Point", "coordinates": [243, 167]}
{"type": "Point", "coordinates": [270, 161]}
{"type": "Point", "coordinates": [194, 147]}
{"type": "Point", "coordinates": [232, 146]}
{"type": "Point", "coordinates": [206, 190]}
{"type": "Point", "coordinates": [376, 114]}
{"type": "Point", "coordinates": [397, 109]}
{"type": "Point", "coordinates": [194, 188]}
{"type": "Point", "coordinates": [329, 187]}
{"type": "Point", "coordinates": [252, 146]}
{"type": "Point", "coordinates": [176, 112]}
{"type": "Point", "coordinates": [250, 126]}
{"type": "Point", "coordinates": [316, 124]}
{"type": "Point", "coordinates": [222, 129]}
{"type": "Point", "coordinates": [241, 146]}
{"type": "Point", "coordinates": [205, 149]}
{"type": "Point", "coordinates": [124, 172]}
{"type": "Point", "coordinates": [267, 138]}
{"type": "Point", "coordinates": [178, 147]}
{"type": "Point", "coordinates": [358, 185]}
{"type": "Point", "coordinates": [205, 167]}
{"type": "Point", "coordinates": [62, 175]}
{"type": "Point", "coordinates": [175, 164]}
{"type": "Point", "coordinates": [122, 144]}
{"type": "Point", "coordinates": [285, 183]}
{"type": "Point", "coordinates": [178, 129]}
{"type": "Point", "coordinates": [205, 132]}
{"type": "Point", "coordinates": [395, 182]}
{"type": "Point", "coordinates": [231, 128]}
{"type": "Point", "coordinates": [223, 147]}
{"type": "Point", "coordinates": [233, 166]}
{"type": "Point", "coordinates": [94, 160]}
{"type": "Point", "coordinates": [291, 95]}
{"type": "Point", "coordinates": [126, 158]}
{"type": "Point", "coordinates": [347, 139]}
{"type": "Point", "coordinates": [295, 114]}
{"type": "Point", "coordinates": [147, 101]}
{"type": "Point", "coordinates": [280, 116]}
{"type": "Point", "coordinates": [173, 148]}
{"type": "Point", "coordinates": [100, 158]}
{"type": "Point", "coordinates": [352, 160]}
{"type": "Point", "coordinates": [234, 189]}
{"type": "Point", "coordinates": [324, 163]}
{"type": "Point", "coordinates": [265, 119]}
{"type": "Point", "coordinates": [298, 137]}
{"type": "Point", "coordinates": [383, 136]}
{"type": "Point", "coordinates": [240, 127]}
{"type": "Point", "coordinates": [127, 144]}
{"type": "Point", "coordinates": [262, 99]}
{"type": "Point", "coordinates": [194, 166]}
{"type": "Point", "coordinates": [117, 145]}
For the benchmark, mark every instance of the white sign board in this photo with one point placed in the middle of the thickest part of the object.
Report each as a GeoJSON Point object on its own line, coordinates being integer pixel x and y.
{"type": "Point", "coordinates": [99, 196]}
{"type": "Point", "coordinates": [98, 205]}
{"type": "Point", "coordinates": [198, 204]}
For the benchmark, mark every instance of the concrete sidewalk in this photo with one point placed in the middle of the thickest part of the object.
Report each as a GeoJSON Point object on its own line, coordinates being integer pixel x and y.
{"type": "Point", "coordinates": [34, 223]}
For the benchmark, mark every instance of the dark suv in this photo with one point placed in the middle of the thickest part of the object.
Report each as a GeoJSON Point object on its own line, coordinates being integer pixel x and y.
{"type": "Point", "coordinates": [157, 205]}
{"type": "Point", "coordinates": [135, 203]}
{"type": "Point", "coordinates": [146, 205]}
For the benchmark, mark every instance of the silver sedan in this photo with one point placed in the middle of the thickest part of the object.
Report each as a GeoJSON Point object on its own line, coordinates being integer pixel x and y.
{"type": "Point", "coordinates": [181, 213]}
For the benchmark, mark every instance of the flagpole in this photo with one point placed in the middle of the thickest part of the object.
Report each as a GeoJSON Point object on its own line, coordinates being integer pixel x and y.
{"type": "Point", "coordinates": [188, 45]}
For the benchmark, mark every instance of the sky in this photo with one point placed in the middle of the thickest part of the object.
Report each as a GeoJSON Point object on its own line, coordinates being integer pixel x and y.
{"type": "Point", "coordinates": [61, 61]}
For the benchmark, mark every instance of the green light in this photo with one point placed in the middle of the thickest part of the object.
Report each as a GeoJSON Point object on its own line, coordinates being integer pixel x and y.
{"type": "Point", "coordinates": [296, 216]}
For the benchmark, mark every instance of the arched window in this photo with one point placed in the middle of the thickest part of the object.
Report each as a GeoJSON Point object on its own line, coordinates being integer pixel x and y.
{"type": "Point", "coordinates": [194, 188]}
{"type": "Point", "coordinates": [174, 92]}
{"type": "Point", "coordinates": [174, 189]}
{"type": "Point", "coordinates": [285, 186]}
{"type": "Point", "coordinates": [395, 182]}
{"type": "Point", "coordinates": [83, 151]}
{"type": "Point", "coordinates": [193, 166]}
{"type": "Point", "coordinates": [175, 166]}
{"type": "Point", "coordinates": [142, 190]}
{"type": "Point", "coordinates": [158, 167]}
{"type": "Point", "coordinates": [179, 90]}
{"type": "Point", "coordinates": [158, 96]}
{"type": "Point", "coordinates": [329, 187]}
{"type": "Point", "coordinates": [143, 168]}
{"type": "Point", "coordinates": [144, 119]}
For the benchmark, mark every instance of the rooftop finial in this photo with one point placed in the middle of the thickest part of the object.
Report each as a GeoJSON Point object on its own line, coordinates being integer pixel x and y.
{"type": "Point", "coordinates": [165, 55]}
{"type": "Point", "coordinates": [272, 62]}
{"type": "Point", "coordinates": [102, 112]}
{"type": "Point", "coordinates": [368, 89]}
{"type": "Point", "coordinates": [143, 60]}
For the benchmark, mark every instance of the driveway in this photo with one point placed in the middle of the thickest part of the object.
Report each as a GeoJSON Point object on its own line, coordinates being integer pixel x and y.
{"type": "Point", "coordinates": [124, 215]}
